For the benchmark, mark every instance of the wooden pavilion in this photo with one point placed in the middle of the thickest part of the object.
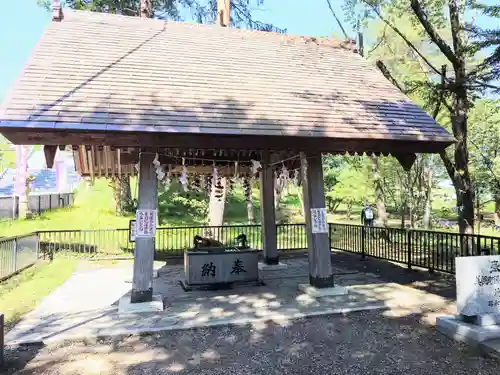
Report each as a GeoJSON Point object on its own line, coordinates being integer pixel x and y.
{"type": "Point", "coordinates": [122, 89]}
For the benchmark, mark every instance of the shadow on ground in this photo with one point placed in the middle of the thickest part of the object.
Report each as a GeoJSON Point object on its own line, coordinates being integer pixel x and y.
{"type": "Point", "coordinates": [437, 283]}
{"type": "Point", "coordinates": [358, 343]}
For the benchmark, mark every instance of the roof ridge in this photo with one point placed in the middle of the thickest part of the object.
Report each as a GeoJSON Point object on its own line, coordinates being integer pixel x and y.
{"type": "Point", "coordinates": [329, 41]}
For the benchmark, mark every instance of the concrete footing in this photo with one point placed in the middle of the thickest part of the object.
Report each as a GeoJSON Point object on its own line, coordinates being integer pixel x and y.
{"type": "Point", "coordinates": [323, 292]}
{"type": "Point", "coordinates": [457, 329]}
{"type": "Point", "coordinates": [127, 307]}
{"type": "Point", "coordinates": [271, 267]}
{"type": "Point", "coordinates": [482, 320]}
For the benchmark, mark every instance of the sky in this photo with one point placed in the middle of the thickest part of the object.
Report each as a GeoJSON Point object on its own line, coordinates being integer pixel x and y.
{"type": "Point", "coordinates": [24, 23]}
{"type": "Point", "coordinates": [22, 26]}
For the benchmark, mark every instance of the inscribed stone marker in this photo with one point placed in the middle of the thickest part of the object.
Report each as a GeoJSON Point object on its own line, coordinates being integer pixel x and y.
{"type": "Point", "coordinates": [478, 285]}
{"type": "Point", "coordinates": [225, 267]}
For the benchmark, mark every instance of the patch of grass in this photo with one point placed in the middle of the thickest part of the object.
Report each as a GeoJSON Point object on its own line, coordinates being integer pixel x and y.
{"type": "Point", "coordinates": [94, 208]}
{"type": "Point", "coordinates": [23, 292]}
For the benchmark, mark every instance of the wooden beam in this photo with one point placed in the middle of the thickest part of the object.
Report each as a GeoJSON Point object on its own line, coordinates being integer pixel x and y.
{"type": "Point", "coordinates": [406, 160]}
{"type": "Point", "coordinates": [267, 212]}
{"type": "Point", "coordinates": [207, 142]}
{"type": "Point", "coordinates": [106, 160]}
{"type": "Point", "coordinates": [118, 159]}
{"type": "Point", "coordinates": [112, 161]}
{"type": "Point", "coordinates": [50, 155]}
{"type": "Point", "coordinates": [90, 158]}
{"type": "Point", "coordinates": [85, 162]}
{"type": "Point", "coordinates": [99, 162]}
{"type": "Point", "coordinates": [142, 282]}
{"type": "Point", "coordinates": [320, 263]}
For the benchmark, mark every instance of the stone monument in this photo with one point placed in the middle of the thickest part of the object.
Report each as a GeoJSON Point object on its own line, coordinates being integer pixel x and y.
{"type": "Point", "coordinates": [478, 301]}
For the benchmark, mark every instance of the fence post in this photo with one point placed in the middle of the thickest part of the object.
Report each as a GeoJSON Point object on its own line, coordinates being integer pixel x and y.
{"type": "Point", "coordinates": [14, 256]}
{"type": "Point", "coordinates": [37, 245]}
{"type": "Point", "coordinates": [363, 240]}
{"type": "Point", "coordinates": [2, 333]}
{"type": "Point", "coordinates": [408, 247]}
{"type": "Point", "coordinates": [330, 236]}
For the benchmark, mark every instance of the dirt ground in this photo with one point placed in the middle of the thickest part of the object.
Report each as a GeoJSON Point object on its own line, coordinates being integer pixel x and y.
{"type": "Point", "coordinates": [360, 343]}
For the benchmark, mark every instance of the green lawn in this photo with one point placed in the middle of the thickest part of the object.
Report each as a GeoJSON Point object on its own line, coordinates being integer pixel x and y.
{"type": "Point", "coordinates": [23, 292]}
{"type": "Point", "coordinates": [94, 208]}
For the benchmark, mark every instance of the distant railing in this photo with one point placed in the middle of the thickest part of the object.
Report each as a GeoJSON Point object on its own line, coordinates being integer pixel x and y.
{"type": "Point", "coordinates": [18, 253]}
{"type": "Point", "coordinates": [37, 203]}
{"type": "Point", "coordinates": [414, 248]}
{"type": "Point", "coordinates": [168, 240]}
{"type": "Point", "coordinates": [420, 248]}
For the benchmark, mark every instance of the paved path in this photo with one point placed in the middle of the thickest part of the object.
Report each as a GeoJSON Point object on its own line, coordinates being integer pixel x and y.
{"type": "Point", "coordinates": [85, 306]}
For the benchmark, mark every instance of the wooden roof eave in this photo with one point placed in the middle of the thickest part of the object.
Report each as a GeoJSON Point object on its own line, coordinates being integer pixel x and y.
{"type": "Point", "coordinates": [123, 166]}
{"type": "Point", "coordinates": [355, 143]}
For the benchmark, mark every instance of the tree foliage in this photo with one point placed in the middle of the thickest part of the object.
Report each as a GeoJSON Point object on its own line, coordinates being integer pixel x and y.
{"type": "Point", "coordinates": [354, 186]}
{"type": "Point", "coordinates": [201, 11]}
{"type": "Point", "coordinates": [453, 85]}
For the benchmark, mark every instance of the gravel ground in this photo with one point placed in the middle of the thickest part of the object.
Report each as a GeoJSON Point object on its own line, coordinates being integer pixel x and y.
{"type": "Point", "coordinates": [361, 343]}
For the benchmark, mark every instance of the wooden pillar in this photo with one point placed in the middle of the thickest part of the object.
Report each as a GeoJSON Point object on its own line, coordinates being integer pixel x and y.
{"type": "Point", "coordinates": [267, 213]}
{"type": "Point", "coordinates": [320, 263]}
{"type": "Point", "coordinates": [142, 282]}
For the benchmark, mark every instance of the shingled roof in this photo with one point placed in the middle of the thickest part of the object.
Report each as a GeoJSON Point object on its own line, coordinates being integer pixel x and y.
{"type": "Point", "coordinates": [104, 72]}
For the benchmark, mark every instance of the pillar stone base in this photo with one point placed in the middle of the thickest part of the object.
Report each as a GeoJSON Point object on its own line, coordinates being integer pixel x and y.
{"type": "Point", "coordinates": [141, 296]}
{"type": "Point", "coordinates": [263, 266]}
{"type": "Point", "coordinates": [321, 282]}
{"type": "Point", "coordinates": [272, 261]}
{"type": "Point", "coordinates": [323, 292]}
{"type": "Point", "coordinates": [155, 304]}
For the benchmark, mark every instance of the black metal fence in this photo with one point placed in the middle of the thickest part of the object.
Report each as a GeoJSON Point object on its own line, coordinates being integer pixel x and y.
{"type": "Point", "coordinates": [168, 240]}
{"type": "Point", "coordinates": [17, 253]}
{"type": "Point", "coordinates": [428, 249]}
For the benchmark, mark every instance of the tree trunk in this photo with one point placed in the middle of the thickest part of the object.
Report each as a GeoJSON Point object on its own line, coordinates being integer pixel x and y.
{"type": "Point", "coordinates": [116, 186]}
{"type": "Point", "coordinates": [216, 207]}
{"type": "Point", "coordinates": [478, 213]}
{"type": "Point", "coordinates": [126, 194]}
{"type": "Point", "coordinates": [411, 214]}
{"type": "Point", "coordinates": [301, 201]}
{"type": "Point", "coordinates": [463, 189]}
{"type": "Point", "coordinates": [278, 190]}
{"type": "Point", "coordinates": [250, 210]}
{"type": "Point", "coordinates": [497, 209]}
{"type": "Point", "coordinates": [379, 192]}
{"type": "Point", "coordinates": [23, 202]}
{"type": "Point", "coordinates": [122, 195]}
{"type": "Point", "coordinates": [349, 209]}
{"type": "Point", "coordinates": [428, 195]}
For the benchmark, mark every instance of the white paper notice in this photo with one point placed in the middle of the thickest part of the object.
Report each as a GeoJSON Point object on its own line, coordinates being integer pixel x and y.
{"type": "Point", "coordinates": [133, 230]}
{"type": "Point", "coordinates": [318, 220]}
{"type": "Point", "coordinates": [145, 224]}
